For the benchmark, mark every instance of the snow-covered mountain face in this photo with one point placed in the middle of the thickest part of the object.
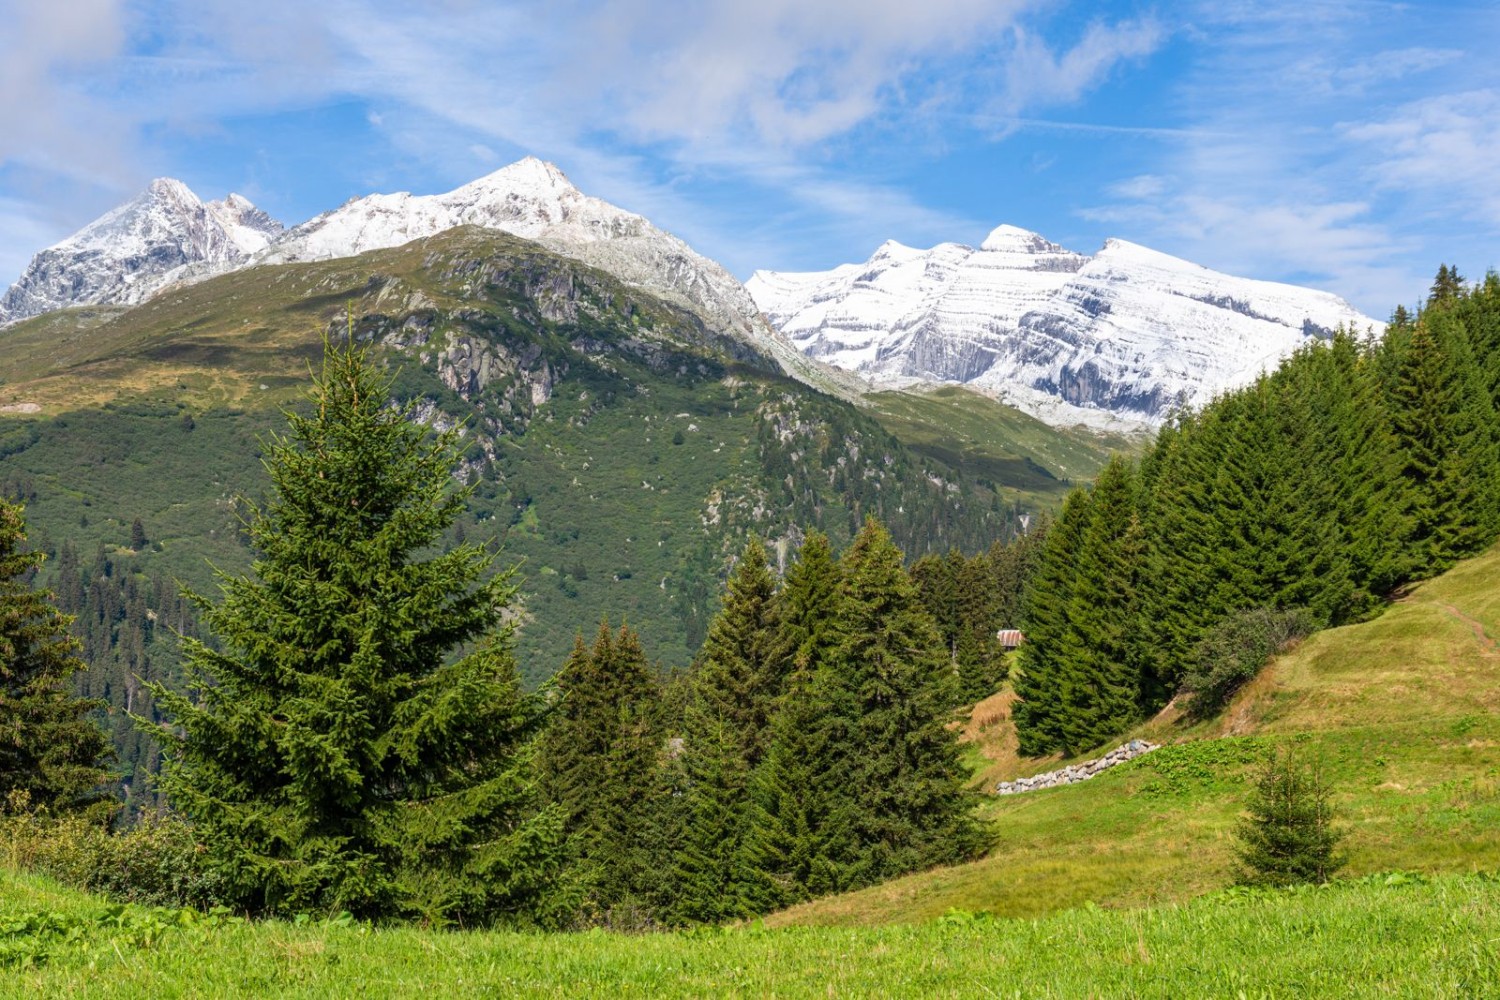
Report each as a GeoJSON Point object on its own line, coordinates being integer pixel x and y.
{"type": "Point", "coordinates": [1124, 336]}
{"type": "Point", "coordinates": [162, 236]}
{"type": "Point", "coordinates": [166, 236]}
{"type": "Point", "coordinates": [532, 199]}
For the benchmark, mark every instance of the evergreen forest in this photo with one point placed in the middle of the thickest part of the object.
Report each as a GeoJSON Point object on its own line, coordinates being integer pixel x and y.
{"type": "Point", "coordinates": [345, 724]}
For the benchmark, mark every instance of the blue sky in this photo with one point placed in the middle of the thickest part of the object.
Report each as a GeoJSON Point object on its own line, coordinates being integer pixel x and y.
{"type": "Point", "coordinates": [1347, 144]}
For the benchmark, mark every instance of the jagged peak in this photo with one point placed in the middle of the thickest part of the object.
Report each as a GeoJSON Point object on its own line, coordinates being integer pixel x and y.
{"type": "Point", "coordinates": [529, 172]}
{"type": "Point", "coordinates": [1013, 239]}
{"type": "Point", "coordinates": [172, 188]}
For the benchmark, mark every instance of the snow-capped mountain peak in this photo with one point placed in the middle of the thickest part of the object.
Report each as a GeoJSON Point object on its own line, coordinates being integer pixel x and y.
{"type": "Point", "coordinates": [132, 251]}
{"type": "Point", "coordinates": [1125, 335]}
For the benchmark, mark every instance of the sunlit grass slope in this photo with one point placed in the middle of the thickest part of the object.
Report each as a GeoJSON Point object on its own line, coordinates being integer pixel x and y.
{"type": "Point", "coordinates": [1402, 709]}
{"type": "Point", "coordinates": [1382, 937]}
{"type": "Point", "coordinates": [1031, 462]}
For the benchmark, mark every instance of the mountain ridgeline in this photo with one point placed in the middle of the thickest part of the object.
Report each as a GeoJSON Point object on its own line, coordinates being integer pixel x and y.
{"type": "Point", "coordinates": [1357, 467]}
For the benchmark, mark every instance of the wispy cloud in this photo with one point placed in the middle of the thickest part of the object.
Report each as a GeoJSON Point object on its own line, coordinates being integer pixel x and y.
{"type": "Point", "coordinates": [1304, 157]}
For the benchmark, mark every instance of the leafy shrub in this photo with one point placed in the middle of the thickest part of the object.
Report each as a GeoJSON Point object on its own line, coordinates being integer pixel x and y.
{"type": "Point", "coordinates": [155, 863]}
{"type": "Point", "coordinates": [1234, 651]}
{"type": "Point", "coordinates": [1289, 836]}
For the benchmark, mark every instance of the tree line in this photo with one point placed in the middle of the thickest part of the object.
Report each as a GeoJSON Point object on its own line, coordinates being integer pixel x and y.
{"type": "Point", "coordinates": [1358, 466]}
{"type": "Point", "coordinates": [350, 732]}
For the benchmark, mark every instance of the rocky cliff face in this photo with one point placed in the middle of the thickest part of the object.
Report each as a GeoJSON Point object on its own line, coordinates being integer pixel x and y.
{"type": "Point", "coordinates": [1125, 335]}
{"type": "Point", "coordinates": [164, 235]}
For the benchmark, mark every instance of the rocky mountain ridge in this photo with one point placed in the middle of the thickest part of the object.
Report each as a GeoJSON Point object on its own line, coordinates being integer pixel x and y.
{"type": "Point", "coordinates": [164, 235]}
{"type": "Point", "coordinates": [1125, 335]}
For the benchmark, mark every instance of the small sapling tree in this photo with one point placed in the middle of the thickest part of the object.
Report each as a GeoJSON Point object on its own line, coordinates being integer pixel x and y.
{"type": "Point", "coordinates": [1290, 835]}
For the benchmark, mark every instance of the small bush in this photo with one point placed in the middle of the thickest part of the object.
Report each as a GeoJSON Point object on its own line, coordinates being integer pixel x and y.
{"type": "Point", "coordinates": [1234, 651]}
{"type": "Point", "coordinates": [156, 863]}
{"type": "Point", "coordinates": [1289, 836]}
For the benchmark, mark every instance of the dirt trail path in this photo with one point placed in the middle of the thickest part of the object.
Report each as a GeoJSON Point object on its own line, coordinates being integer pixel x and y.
{"type": "Point", "coordinates": [1475, 626]}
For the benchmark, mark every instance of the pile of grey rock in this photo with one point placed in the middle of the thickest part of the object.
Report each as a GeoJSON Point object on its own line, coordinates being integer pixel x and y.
{"type": "Point", "coordinates": [1074, 773]}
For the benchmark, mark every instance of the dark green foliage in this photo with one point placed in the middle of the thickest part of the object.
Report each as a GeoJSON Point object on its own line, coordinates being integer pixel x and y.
{"type": "Point", "coordinates": [961, 596]}
{"type": "Point", "coordinates": [798, 842]}
{"type": "Point", "coordinates": [1446, 287]}
{"type": "Point", "coordinates": [738, 679]}
{"type": "Point", "coordinates": [1039, 714]}
{"type": "Point", "coordinates": [599, 759]}
{"type": "Point", "coordinates": [127, 624]}
{"type": "Point", "coordinates": [890, 696]}
{"type": "Point", "coordinates": [1355, 468]}
{"type": "Point", "coordinates": [1234, 651]}
{"type": "Point", "coordinates": [51, 754]}
{"type": "Point", "coordinates": [1097, 679]}
{"type": "Point", "coordinates": [1444, 424]}
{"type": "Point", "coordinates": [336, 754]}
{"type": "Point", "coordinates": [1290, 835]}
{"type": "Point", "coordinates": [713, 880]}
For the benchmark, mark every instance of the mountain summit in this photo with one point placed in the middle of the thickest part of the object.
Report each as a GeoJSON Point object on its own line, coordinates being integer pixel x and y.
{"type": "Point", "coordinates": [534, 200]}
{"type": "Point", "coordinates": [133, 251]}
{"type": "Point", "coordinates": [166, 235]}
{"type": "Point", "coordinates": [1127, 334]}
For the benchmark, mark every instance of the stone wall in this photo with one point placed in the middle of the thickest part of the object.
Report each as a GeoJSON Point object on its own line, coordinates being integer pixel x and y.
{"type": "Point", "coordinates": [1074, 773]}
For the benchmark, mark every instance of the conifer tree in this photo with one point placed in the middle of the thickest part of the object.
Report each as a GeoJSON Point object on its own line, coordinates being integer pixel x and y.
{"type": "Point", "coordinates": [1038, 713]}
{"type": "Point", "coordinates": [738, 677]}
{"type": "Point", "coordinates": [799, 840]}
{"type": "Point", "coordinates": [979, 662]}
{"type": "Point", "coordinates": [1444, 425]}
{"type": "Point", "coordinates": [1290, 835]}
{"type": "Point", "coordinates": [599, 758]}
{"type": "Point", "coordinates": [360, 740]}
{"type": "Point", "coordinates": [714, 879]}
{"type": "Point", "coordinates": [51, 755]}
{"type": "Point", "coordinates": [902, 778]}
{"type": "Point", "coordinates": [1097, 679]}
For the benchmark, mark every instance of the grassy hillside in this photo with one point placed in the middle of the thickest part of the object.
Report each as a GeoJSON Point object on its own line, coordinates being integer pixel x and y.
{"type": "Point", "coordinates": [621, 449]}
{"type": "Point", "coordinates": [1403, 709]}
{"type": "Point", "coordinates": [1385, 936]}
{"type": "Point", "coordinates": [1025, 459]}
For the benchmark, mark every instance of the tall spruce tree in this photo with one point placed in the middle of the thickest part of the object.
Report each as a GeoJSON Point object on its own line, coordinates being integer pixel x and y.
{"type": "Point", "coordinates": [735, 689]}
{"type": "Point", "coordinates": [51, 755]}
{"type": "Point", "coordinates": [1444, 424]}
{"type": "Point", "coordinates": [902, 778]}
{"type": "Point", "coordinates": [1097, 679]}
{"type": "Point", "coordinates": [1039, 713]}
{"type": "Point", "coordinates": [359, 740]}
{"type": "Point", "coordinates": [599, 757]}
{"type": "Point", "coordinates": [738, 677]}
{"type": "Point", "coordinates": [799, 838]}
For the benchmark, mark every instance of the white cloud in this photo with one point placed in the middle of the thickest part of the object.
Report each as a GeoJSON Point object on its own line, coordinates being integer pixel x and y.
{"type": "Point", "coordinates": [46, 118]}
{"type": "Point", "coordinates": [1309, 152]}
{"type": "Point", "coordinates": [1036, 75]}
{"type": "Point", "coordinates": [1445, 147]}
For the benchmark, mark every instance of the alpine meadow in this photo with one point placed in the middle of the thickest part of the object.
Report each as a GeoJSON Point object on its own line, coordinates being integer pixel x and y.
{"type": "Point", "coordinates": [480, 590]}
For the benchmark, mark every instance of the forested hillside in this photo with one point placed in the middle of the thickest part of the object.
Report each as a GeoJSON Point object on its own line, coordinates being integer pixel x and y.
{"type": "Point", "coordinates": [1319, 491]}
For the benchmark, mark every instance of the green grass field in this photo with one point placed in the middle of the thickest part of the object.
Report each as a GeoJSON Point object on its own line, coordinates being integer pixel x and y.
{"type": "Point", "coordinates": [1115, 887]}
{"type": "Point", "coordinates": [1403, 710]}
{"type": "Point", "coordinates": [1387, 936]}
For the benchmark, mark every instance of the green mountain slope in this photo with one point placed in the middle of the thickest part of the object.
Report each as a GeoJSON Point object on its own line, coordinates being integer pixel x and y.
{"type": "Point", "coordinates": [621, 448]}
{"type": "Point", "coordinates": [1024, 459]}
{"type": "Point", "coordinates": [1404, 710]}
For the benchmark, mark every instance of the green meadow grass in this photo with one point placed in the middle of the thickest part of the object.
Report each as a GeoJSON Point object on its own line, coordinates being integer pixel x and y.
{"type": "Point", "coordinates": [1404, 710]}
{"type": "Point", "coordinates": [1383, 936]}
